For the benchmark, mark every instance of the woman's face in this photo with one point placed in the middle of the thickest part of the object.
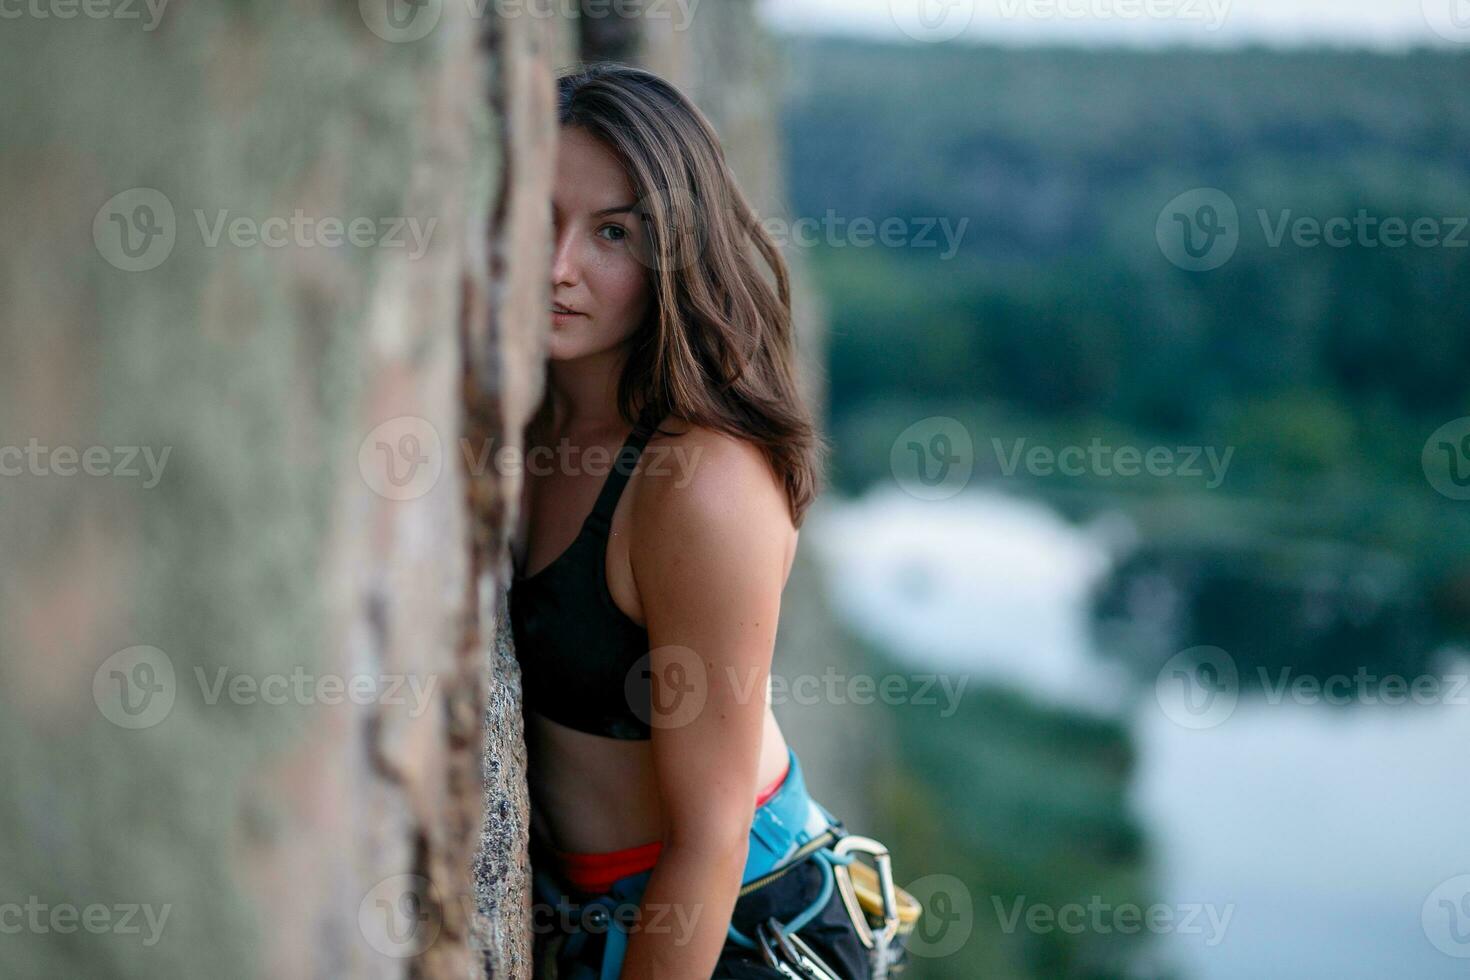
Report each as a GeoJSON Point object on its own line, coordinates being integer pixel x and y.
{"type": "Point", "coordinates": [597, 267]}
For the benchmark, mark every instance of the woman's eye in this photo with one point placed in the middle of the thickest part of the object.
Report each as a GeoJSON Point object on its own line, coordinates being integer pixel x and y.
{"type": "Point", "coordinates": [622, 232]}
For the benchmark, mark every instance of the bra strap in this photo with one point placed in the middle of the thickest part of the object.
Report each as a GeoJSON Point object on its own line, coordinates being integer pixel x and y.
{"type": "Point", "coordinates": [622, 469]}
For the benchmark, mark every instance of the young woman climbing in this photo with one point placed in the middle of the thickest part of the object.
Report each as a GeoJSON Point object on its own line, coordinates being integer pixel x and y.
{"type": "Point", "coordinates": [668, 470]}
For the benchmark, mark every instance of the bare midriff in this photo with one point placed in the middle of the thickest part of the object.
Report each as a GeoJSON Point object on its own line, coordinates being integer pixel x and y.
{"type": "Point", "coordinates": [594, 795]}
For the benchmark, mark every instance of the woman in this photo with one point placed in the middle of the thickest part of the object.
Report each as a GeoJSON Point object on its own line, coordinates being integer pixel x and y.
{"type": "Point", "coordinates": [668, 471]}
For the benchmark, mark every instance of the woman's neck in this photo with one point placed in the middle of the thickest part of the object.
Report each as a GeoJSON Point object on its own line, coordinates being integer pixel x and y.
{"type": "Point", "coordinates": [583, 392]}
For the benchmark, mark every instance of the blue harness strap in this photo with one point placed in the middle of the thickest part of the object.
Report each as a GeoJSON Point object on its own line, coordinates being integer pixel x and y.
{"type": "Point", "coordinates": [784, 823]}
{"type": "Point", "coordinates": [781, 826]}
{"type": "Point", "coordinates": [597, 915]}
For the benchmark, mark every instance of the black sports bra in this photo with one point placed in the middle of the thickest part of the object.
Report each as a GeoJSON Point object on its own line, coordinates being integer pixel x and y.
{"type": "Point", "coordinates": [576, 648]}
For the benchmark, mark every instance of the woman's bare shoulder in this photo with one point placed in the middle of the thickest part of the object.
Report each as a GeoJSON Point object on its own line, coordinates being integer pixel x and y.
{"type": "Point", "coordinates": [698, 473]}
{"type": "Point", "coordinates": [712, 533]}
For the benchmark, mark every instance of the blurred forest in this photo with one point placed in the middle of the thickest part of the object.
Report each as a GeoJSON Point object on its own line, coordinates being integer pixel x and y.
{"type": "Point", "coordinates": [1058, 319]}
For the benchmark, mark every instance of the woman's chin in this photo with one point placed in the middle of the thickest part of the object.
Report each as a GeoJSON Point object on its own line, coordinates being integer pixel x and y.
{"type": "Point", "coordinates": [565, 345]}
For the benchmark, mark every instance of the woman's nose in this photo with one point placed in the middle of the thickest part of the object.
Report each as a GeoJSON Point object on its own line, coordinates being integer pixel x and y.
{"type": "Point", "coordinates": [564, 259]}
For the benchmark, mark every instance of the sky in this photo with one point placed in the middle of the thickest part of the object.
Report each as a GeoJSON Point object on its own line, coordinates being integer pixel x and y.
{"type": "Point", "coordinates": [1391, 24]}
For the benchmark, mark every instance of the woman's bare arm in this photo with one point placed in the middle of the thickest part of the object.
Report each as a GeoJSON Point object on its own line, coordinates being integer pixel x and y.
{"type": "Point", "coordinates": [708, 558]}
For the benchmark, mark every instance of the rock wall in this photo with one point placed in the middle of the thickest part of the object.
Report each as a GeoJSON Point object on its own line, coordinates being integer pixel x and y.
{"type": "Point", "coordinates": [263, 281]}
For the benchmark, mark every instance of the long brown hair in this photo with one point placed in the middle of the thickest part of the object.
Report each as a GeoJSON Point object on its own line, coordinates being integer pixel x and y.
{"type": "Point", "coordinates": [719, 349]}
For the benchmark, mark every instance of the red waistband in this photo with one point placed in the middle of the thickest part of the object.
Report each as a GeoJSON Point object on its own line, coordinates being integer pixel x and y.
{"type": "Point", "coordinates": [770, 790]}
{"type": "Point", "coordinates": [595, 873]}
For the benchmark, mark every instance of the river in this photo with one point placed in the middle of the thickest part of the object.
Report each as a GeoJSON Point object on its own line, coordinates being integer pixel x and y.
{"type": "Point", "coordinates": [1319, 838]}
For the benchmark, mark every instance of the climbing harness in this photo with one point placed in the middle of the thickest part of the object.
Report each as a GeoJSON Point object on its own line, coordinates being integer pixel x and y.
{"type": "Point", "coordinates": [881, 912]}
{"type": "Point", "coordinates": [777, 942]}
{"type": "Point", "coordinates": [789, 830]}
{"type": "Point", "coordinates": [866, 893]}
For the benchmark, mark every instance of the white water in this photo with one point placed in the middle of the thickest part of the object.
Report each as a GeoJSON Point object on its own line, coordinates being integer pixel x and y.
{"type": "Point", "coordinates": [1320, 832]}
{"type": "Point", "coordinates": [986, 584]}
